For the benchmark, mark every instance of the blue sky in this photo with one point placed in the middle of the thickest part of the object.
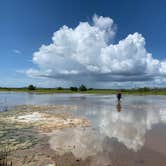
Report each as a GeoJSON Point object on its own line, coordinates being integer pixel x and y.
{"type": "Point", "coordinates": [27, 24]}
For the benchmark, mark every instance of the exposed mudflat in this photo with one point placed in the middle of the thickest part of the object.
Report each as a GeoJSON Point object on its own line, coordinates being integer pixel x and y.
{"type": "Point", "coordinates": [26, 131]}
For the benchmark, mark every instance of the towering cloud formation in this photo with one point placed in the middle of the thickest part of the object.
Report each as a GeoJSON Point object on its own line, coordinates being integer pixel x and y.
{"type": "Point", "coordinates": [87, 52]}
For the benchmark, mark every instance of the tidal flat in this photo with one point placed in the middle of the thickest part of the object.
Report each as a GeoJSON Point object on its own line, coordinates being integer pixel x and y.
{"type": "Point", "coordinates": [25, 130]}
{"type": "Point", "coordinates": [83, 130]}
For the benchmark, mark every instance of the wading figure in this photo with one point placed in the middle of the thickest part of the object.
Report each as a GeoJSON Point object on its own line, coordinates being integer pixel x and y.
{"type": "Point", "coordinates": [119, 96]}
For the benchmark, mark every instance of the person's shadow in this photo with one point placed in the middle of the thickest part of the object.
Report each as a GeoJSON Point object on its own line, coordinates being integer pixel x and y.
{"type": "Point", "coordinates": [118, 107]}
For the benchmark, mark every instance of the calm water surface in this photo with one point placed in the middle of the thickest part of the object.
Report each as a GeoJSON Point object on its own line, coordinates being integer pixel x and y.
{"type": "Point", "coordinates": [129, 134]}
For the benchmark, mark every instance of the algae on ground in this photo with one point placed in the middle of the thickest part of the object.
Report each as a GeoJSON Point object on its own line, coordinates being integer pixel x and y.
{"type": "Point", "coordinates": [21, 127]}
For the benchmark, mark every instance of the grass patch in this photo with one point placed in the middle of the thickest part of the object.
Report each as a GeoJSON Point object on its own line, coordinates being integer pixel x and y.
{"type": "Point", "coordinates": [139, 91]}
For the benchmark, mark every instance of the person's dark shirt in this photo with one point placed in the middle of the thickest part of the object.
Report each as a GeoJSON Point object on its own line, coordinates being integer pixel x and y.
{"type": "Point", "coordinates": [119, 95]}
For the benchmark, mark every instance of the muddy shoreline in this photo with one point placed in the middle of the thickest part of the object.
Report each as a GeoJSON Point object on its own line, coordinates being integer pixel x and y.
{"type": "Point", "coordinates": [25, 130]}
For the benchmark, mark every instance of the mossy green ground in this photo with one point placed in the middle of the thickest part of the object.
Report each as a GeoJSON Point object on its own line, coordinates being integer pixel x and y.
{"type": "Point", "coordinates": [20, 135]}
{"type": "Point", "coordinates": [29, 146]}
{"type": "Point", "coordinates": [15, 135]}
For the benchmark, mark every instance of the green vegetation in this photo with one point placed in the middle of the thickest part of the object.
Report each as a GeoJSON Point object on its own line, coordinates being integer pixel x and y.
{"type": "Point", "coordinates": [75, 89]}
{"type": "Point", "coordinates": [83, 89]}
{"type": "Point", "coordinates": [59, 88]}
{"type": "Point", "coordinates": [31, 87]}
{"type": "Point", "coordinates": [4, 154]}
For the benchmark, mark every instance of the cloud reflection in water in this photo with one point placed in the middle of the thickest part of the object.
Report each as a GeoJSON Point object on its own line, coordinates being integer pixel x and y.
{"type": "Point", "coordinates": [131, 125]}
{"type": "Point", "coordinates": [128, 126]}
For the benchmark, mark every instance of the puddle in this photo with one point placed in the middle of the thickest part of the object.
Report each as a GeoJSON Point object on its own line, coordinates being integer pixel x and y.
{"type": "Point", "coordinates": [82, 142]}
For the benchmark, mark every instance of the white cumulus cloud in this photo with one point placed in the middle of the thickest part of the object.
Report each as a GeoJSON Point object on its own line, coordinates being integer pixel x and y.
{"type": "Point", "coordinates": [87, 52]}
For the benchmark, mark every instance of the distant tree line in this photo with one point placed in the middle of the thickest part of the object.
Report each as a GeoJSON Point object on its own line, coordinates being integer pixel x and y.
{"type": "Point", "coordinates": [82, 87]}
{"type": "Point", "coordinates": [31, 87]}
{"type": "Point", "coordinates": [72, 88]}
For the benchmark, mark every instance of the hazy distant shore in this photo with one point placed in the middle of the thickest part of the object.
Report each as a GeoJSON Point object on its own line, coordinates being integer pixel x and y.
{"type": "Point", "coordinates": [139, 91]}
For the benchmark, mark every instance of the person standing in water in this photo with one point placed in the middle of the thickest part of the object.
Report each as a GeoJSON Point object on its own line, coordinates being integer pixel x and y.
{"type": "Point", "coordinates": [118, 106]}
{"type": "Point", "coordinates": [119, 96]}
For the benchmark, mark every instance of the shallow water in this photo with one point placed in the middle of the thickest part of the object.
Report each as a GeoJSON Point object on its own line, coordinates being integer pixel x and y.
{"type": "Point", "coordinates": [132, 133]}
